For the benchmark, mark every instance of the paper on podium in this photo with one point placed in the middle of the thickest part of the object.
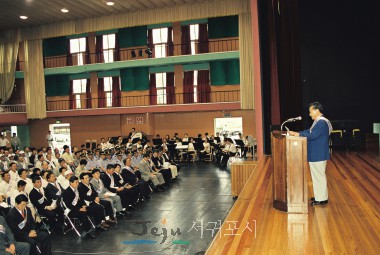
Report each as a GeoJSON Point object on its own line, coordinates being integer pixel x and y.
{"type": "Point", "coordinates": [110, 194]}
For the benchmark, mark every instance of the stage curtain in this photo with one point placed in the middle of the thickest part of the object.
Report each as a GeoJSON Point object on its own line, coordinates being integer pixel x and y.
{"type": "Point", "coordinates": [246, 64]}
{"type": "Point", "coordinates": [204, 88]}
{"type": "Point", "coordinates": [101, 94]}
{"type": "Point", "coordinates": [8, 60]}
{"type": "Point", "coordinates": [116, 93]}
{"type": "Point", "coordinates": [34, 80]}
{"type": "Point", "coordinates": [170, 45]}
{"type": "Point", "coordinates": [185, 40]}
{"type": "Point", "coordinates": [203, 39]}
{"type": "Point", "coordinates": [99, 57]}
{"type": "Point", "coordinates": [152, 89]}
{"type": "Point", "coordinates": [170, 89]}
{"type": "Point", "coordinates": [72, 101]}
{"type": "Point", "coordinates": [88, 94]}
{"type": "Point", "coordinates": [188, 87]}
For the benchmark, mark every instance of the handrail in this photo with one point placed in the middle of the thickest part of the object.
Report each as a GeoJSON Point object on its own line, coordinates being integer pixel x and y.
{"type": "Point", "coordinates": [125, 54]}
{"type": "Point", "coordinates": [146, 100]}
{"type": "Point", "coordinates": [14, 108]}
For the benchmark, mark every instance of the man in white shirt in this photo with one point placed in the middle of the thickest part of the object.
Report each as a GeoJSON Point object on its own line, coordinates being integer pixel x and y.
{"type": "Point", "coordinates": [50, 139]}
{"type": "Point", "coordinates": [6, 186]}
{"type": "Point", "coordinates": [13, 172]}
{"type": "Point", "coordinates": [65, 183]}
{"type": "Point", "coordinates": [3, 142]}
{"type": "Point", "coordinates": [67, 155]}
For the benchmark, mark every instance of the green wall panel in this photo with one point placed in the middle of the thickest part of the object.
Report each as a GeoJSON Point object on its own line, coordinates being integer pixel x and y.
{"type": "Point", "coordinates": [55, 46]}
{"type": "Point", "coordinates": [132, 36]}
{"type": "Point", "coordinates": [223, 27]}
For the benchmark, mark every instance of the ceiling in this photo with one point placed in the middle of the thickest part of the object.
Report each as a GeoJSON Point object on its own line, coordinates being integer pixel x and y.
{"type": "Point", "coordinates": [49, 11]}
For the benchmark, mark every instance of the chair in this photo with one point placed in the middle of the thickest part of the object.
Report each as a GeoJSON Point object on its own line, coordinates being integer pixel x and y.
{"type": "Point", "coordinates": [43, 221]}
{"type": "Point", "coordinates": [72, 221]}
{"type": "Point", "coordinates": [209, 157]}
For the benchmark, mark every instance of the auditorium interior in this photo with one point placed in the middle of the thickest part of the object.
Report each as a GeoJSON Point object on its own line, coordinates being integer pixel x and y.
{"type": "Point", "coordinates": [87, 70]}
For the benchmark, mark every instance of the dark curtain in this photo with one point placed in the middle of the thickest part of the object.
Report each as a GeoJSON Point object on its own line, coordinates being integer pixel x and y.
{"type": "Point", "coordinates": [116, 93]}
{"type": "Point", "coordinates": [69, 57]}
{"type": "Point", "coordinates": [71, 95]}
{"type": "Point", "coordinates": [286, 29]}
{"type": "Point", "coordinates": [99, 58]}
{"type": "Point", "coordinates": [170, 89]}
{"type": "Point", "coordinates": [203, 39]}
{"type": "Point", "coordinates": [274, 89]}
{"type": "Point", "coordinates": [87, 59]}
{"type": "Point", "coordinates": [204, 88]}
{"type": "Point", "coordinates": [116, 54]}
{"type": "Point", "coordinates": [88, 94]}
{"type": "Point", "coordinates": [170, 47]}
{"type": "Point", "coordinates": [185, 40]}
{"type": "Point", "coordinates": [188, 87]}
{"type": "Point", "coordinates": [152, 89]}
{"type": "Point", "coordinates": [101, 94]}
{"type": "Point", "coordinates": [150, 42]}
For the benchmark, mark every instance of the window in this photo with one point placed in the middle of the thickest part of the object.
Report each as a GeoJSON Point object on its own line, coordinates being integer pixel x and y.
{"type": "Point", "coordinates": [195, 86]}
{"type": "Point", "coordinates": [194, 36]}
{"type": "Point", "coordinates": [161, 88]}
{"type": "Point", "coordinates": [160, 39]}
{"type": "Point", "coordinates": [78, 47]}
{"type": "Point", "coordinates": [79, 88]}
{"type": "Point", "coordinates": [108, 91]}
{"type": "Point", "coordinates": [108, 47]}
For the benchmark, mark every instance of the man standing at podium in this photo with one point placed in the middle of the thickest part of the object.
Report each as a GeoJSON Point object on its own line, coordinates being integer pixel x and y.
{"type": "Point", "coordinates": [317, 151]}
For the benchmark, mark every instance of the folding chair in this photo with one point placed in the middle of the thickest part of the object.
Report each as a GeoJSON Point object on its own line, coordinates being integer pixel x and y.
{"type": "Point", "coordinates": [72, 220]}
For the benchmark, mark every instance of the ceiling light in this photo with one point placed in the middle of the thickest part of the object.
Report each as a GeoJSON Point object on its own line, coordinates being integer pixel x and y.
{"type": "Point", "coordinates": [110, 3]}
{"type": "Point", "coordinates": [23, 17]}
{"type": "Point", "coordinates": [64, 10]}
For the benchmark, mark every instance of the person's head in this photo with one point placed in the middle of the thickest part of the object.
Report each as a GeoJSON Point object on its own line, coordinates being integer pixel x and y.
{"type": "Point", "coordinates": [13, 166]}
{"type": "Point", "coordinates": [50, 177]}
{"type": "Point", "coordinates": [85, 178]}
{"type": "Point", "coordinates": [45, 173]}
{"type": "Point", "coordinates": [110, 168]}
{"type": "Point", "coordinates": [61, 162]}
{"type": "Point", "coordinates": [22, 173]}
{"type": "Point", "coordinates": [206, 140]}
{"type": "Point", "coordinates": [74, 182]}
{"type": "Point", "coordinates": [21, 185]}
{"type": "Point", "coordinates": [315, 110]}
{"type": "Point", "coordinates": [37, 171]}
{"type": "Point", "coordinates": [127, 161]}
{"type": "Point", "coordinates": [117, 168]}
{"type": "Point", "coordinates": [133, 130]}
{"type": "Point", "coordinates": [68, 174]}
{"type": "Point", "coordinates": [14, 134]}
{"type": "Point", "coordinates": [146, 156]}
{"type": "Point", "coordinates": [45, 165]}
{"type": "Point", "coordinates": [6, 176]}
{"type": "Point", "coordinates": [186, 135]}
{"type": "Point", "coordinates": [36, 180]}
{"type": "Point", "coordinates": [48, 157]}
{"type": "Point", "coordinates": [20, 158]}
{"type": "Point", "coordinates": [83, 162]}
{"type": "Point", "coordinates": [155, 153]}
{"type": "Point", "coordinates": [21, 202]}
{"type": "Point", "coordinates": [96, 174]}
{"type": "Point", "coordinates": [62, 170]}
{"type": "Point", "coordinates": [66, 148]}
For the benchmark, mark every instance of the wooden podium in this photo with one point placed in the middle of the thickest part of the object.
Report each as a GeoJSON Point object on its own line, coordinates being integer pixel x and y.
{"type": "Point", "coordinates": [289, 155]}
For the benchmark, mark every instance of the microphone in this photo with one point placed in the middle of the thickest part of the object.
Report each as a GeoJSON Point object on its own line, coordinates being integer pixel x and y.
{"type": "Point", "coordinates": [291, 120]}
{"type": "Point", "coordinates": [294, 119]}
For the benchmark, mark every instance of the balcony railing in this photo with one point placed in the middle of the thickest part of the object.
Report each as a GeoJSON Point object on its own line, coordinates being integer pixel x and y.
{"type": "Point", "coordinates": [15, 108]}
{"type": "Point", "coordinates": [125, 54]}
{"type": "Point", "coordinates": [145, 100]}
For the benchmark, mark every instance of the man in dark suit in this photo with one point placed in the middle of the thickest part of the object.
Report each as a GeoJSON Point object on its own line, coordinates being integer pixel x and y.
{"type": "Point", "coordinates": [45, 207]}
{"type": "Point", "coordinates": [77, 206]}
{"type": "Point", "coordinates": [91, 198]}
{"type": "Point", "coordinates": [119, 180]}
{"type": "Point", "coordinates": [53, 190]}
{"type": "Point", "coordinates": [317, 151]}
{"type": "Point", "coordinates": [8, 244]}
{"type": "Point", "coordinates": [130, 177]}
{"type": "Point", "coordinates": [22, 224]}
{"type": "Point", "coordinates": [109, 182]}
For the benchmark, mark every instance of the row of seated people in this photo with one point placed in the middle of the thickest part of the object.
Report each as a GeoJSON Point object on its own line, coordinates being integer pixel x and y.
{"type": "Point", "coordinates": [122, 189]}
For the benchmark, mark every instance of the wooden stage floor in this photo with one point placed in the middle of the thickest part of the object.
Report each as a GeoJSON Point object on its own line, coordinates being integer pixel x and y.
{"type": "Point", "coordinates": [349, 224]}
